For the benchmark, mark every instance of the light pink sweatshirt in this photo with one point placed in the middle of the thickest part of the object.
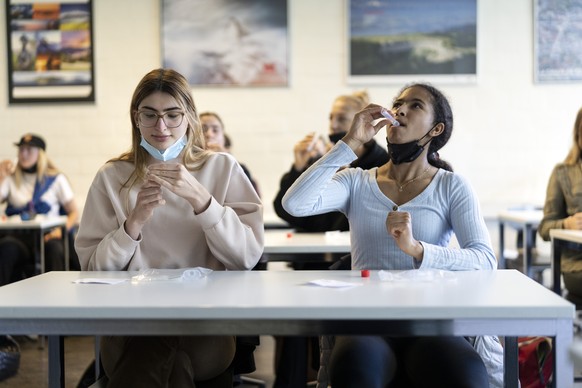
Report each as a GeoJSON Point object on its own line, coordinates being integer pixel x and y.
{"type": "Point", "coordinates": [228, 235]}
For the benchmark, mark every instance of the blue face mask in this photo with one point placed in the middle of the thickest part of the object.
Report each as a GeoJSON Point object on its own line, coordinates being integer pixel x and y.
{"type": "Point", "coordinates": [171, 153]}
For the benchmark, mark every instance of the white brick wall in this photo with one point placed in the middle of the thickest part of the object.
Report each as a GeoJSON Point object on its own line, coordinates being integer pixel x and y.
{"type": "Point", "coordinates": [509, 131]}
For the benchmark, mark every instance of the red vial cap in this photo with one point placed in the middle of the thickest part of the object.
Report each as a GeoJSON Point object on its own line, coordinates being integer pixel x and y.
{"type": "Point", "coordinates": [365, 273]}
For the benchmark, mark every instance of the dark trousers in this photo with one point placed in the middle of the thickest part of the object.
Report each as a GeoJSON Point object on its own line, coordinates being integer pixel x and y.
{"type": "Point", "coordinates": [378, 362]}
{"type": "Point", "coordinates": [17, 260]}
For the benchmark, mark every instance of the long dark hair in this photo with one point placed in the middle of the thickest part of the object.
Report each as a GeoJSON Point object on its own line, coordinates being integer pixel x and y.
{"type": "Point", "coordinates": [442, 114]}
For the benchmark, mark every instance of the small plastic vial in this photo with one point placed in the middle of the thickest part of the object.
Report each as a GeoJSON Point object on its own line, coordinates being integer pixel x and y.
{"type": "Point", "coordinates": [390, 118]}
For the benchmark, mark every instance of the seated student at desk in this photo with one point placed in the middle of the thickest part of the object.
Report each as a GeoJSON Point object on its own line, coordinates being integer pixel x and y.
{"type": "Point", "coordinates": [292, 351]}
{"type": "Point", "coordinates": [34, 186]}
{"type": "Point", "coordinates": [169, 203]}
{"type": "Point", "coordinates": [563, 210]}
{"type": "Point", "coordinates": [217, 139]}
{"type": "Point", "coordinates": [402, 216]}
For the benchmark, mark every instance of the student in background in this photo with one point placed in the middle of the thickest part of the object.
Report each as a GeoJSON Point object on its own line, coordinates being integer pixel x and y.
{"type": "Point", "coordinates": [402, 216]}
{"type": "Point", "coordinates": [563, 210]}
{"type": "Point", "coordinates": [217, 139]}
{"type": "Point", "coordinates": [293, 353]}
{"type": "Point", "coordinates": [169, 203]}
{"type": "Point", "coordinates": [34, 186]}
{"type": "Point", "coordinates": [311, 148]}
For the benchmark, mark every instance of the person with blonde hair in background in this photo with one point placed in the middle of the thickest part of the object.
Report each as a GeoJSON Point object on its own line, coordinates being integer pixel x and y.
{"type": "Point", "coordinates": [563, 210]}
{"type": "Point", "coordinates": [34, 186]}
{"type": "Point", "coordinates": [292, 366]}
{"type": "Point", "coordinates": [312, 147]}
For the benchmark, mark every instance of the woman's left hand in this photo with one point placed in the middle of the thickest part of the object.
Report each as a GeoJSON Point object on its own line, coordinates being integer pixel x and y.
{"type": "Point", "coordinates": [176, 178]}
{"type": "Point", "coordinates": [399, 226]}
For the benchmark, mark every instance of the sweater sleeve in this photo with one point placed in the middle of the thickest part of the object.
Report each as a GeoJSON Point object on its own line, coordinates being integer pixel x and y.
{"type": "Point", "coordinates": [475, 251]}
{"type": "Point", "coordinates": [317, 191]}
{"type": "Point", "coordinates": [234, 230]}
{"type": "Point", "coordinates": [102, 243]}
{"type": "Point", "coordinates": [314, 223]}
{"type": "Point", "coordinates": [554, 208]}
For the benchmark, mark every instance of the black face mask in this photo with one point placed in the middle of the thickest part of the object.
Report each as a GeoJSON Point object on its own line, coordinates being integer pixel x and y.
{"type": "Point", "coordinates": [335, 137]}
{"type": "Point", "coordinates": [406, 152]}
{"type": "Point", "coordinates": [30, 170]}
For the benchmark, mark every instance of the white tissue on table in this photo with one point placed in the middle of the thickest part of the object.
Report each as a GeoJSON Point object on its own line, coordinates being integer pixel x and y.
{"type": "Point", "coordinates": [417, 275]}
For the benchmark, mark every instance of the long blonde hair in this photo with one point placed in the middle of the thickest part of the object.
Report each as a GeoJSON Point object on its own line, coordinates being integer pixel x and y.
{"type": "Point", "coordinates": [175, 84]}
{"type": "Point", "coordinates": [44, 168]}
{"type": "Point", "coordinates": [357, 100]}
{"type": "Point", "coordinates": [576, 149]}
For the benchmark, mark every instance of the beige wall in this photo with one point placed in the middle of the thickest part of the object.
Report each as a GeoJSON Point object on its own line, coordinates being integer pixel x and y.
{"type": "Point", "coordinates": [509, 131]}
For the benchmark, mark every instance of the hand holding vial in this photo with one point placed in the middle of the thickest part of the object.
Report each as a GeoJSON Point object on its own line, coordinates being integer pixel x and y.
{"type": "Point", "coordinates": [389, 117]}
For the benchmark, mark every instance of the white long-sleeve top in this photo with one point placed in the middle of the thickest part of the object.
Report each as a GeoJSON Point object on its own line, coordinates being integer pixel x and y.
{"type": "Point", "coordinates": [227, 235]}
{"type": "Point", "coordinates": [59, 193]}
{"type": "Point", "coordinates": [448, 205]}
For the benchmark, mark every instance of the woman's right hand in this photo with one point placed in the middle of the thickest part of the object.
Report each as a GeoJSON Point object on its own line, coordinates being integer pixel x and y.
{"type": "Point", "coordinates": [149, 197]}
{"type": "Point", "coordinates": [311, 146]}
{"type": "Point", "coordinates": [573, 222]}
{"type": "Point", "coordinates": [6, 168]}
{"type": "Point", "coordinates": [363, 128]}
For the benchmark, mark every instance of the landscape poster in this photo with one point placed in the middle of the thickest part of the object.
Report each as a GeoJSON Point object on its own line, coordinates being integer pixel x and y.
{"type": "Point", "coordinates": [400, 40]}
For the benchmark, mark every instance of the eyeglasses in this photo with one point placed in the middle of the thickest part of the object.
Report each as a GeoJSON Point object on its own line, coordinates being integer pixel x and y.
{"type": "Point", "coordinates": [148, 118]}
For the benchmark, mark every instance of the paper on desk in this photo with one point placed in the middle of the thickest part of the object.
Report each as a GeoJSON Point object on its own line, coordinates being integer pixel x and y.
{"type": "Point", "coordinates": [99, 281]}
{"type": "Point", "coordinates": [332, 283]}
{"type": "Point", "coordinates": [417, 275]}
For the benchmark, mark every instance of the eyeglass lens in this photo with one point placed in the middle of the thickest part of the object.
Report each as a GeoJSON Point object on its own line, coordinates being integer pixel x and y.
{"type": "Point", "coordinates": [150, 119]}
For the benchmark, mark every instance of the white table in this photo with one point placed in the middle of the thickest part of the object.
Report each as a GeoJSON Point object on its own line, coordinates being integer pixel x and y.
{"type": "Point", "coordinates": [272, 221]}
{"type": "Point", "coordinates": [562, 238]}
{"type": "Point", "coordinates": [502, 302]}
{"type": "Point", "coordinates": [526, 220]}
{"type": "Point", "coordinates": [288, 241]}
{"type": "Point", "coordinates": [42, 225]}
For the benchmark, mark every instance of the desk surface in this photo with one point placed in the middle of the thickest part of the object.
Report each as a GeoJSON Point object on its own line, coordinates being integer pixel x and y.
{"type": "Point", "coordinates": [502, 302]}
{"type": "Point", "coordinates": [532, 217]}
{"type": "Point", "coordinates": [288, 241]}
{"type": "Point", "coordinates": [567, 235]}
{"type": "Point", "coordinates": [39, 222]}
{"type": "Point", "coordinates": [282, 295]}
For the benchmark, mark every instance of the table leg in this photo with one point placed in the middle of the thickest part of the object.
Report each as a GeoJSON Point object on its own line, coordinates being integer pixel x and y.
{"type": "Point", "coordinates": [66, 246]}
{"type": "Point", "coordinates": [556, 266]}
{"type": "Point", "coordinates": [501, 261]}
{"type": "Point", "coordinates": [563, 365]}
{"type": "Point", "coordinates": [510, 363]}
{"type": "Point", "coordinates": [527, 251]}
{"type": "Point", "coordinates": [41, 252]}
{"type": "Point", "coordinates": [56, 361]}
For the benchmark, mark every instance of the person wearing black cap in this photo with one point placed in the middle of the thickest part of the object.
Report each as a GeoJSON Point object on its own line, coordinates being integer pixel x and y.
{"type": "Point", "coordinates": [34, 186]}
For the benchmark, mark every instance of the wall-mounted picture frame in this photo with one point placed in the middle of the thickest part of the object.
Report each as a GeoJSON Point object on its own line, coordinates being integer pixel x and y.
{"type": "Point", "coordinates": [557, 41]}
{"type": "Point", "coordinates": [228, 43]}
{"type": "Point", "coordinates": [396, 41]}
{"type": "Point", "coordinates": [50, 51]}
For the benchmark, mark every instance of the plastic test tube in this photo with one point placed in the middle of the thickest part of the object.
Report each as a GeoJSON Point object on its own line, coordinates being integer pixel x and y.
{"type": "Point", "coordinates": [390, 118]}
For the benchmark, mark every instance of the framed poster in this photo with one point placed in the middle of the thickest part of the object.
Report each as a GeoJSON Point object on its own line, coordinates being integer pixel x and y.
{"type": "Point", "coordinates": [226, 42]}
{"type": "Point", "coordinates": [50, 51]}
{"type": "Point", "coordinates": [557, 40]}
{"type": "Point", "coordinates": [396, 41]}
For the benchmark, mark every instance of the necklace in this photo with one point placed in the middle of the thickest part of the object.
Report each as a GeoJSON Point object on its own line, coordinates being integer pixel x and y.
{"type": "Point", "coordinates": [401, 186]}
